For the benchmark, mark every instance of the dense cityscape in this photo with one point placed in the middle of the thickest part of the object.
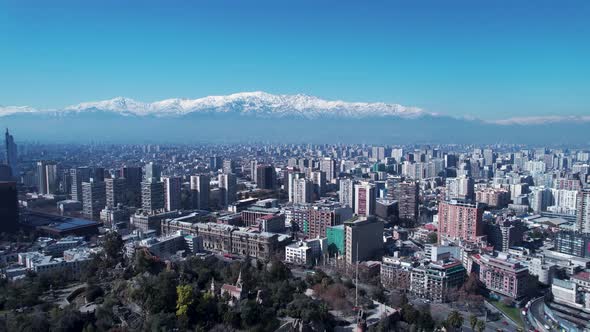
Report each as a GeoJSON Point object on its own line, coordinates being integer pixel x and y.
{"type": "Point", "coordinates": [293, 237]}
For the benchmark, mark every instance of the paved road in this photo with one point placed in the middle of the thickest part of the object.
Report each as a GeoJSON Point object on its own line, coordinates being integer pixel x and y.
{"type": "Point", "coordinates": [538, 312]}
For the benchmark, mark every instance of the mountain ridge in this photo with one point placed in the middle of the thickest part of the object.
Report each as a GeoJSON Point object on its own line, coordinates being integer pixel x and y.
{"type": "Point", "coordinates": [256, 103]}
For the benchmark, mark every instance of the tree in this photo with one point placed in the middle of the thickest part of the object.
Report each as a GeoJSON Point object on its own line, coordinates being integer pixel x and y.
{"type": "Point", "coordinates": [455, 319]}
{"type": "Point", "coordinates": [432, 237]}
{"type": "Point", "coordinates": [409, 314]}
{"type": "Point", "coordinates": [185, 299]}
{"type": "Point", "coordinates": [481, 326]}
{"type": "Point", "coordinates": [473, 321]}
{"type": "Point", "coordinates": [113, 247]}
{"type": "Point", "coordinates": [426, 322]}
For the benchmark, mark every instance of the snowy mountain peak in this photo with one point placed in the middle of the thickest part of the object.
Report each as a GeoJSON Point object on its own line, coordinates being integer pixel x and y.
{"type": "Point", "coordinates": [256, 103]}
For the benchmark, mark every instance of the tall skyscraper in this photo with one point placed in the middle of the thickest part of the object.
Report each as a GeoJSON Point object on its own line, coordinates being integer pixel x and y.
{"type": "Point", "coordinates": [583, 213]}
{"type": "Point", "coordinates": [228, 183]}
{"type": "Point", "coordinates": [11, 154]}
{"type": "Point", "coordinates": [172, 193]}
{"type": "Point", "coordinates": [152, 172]}
{"type": "Point", "coordinates": [41, 177]}
{"type": "Point", "coordinates": [47, 179]}
{"type": "Point", "coordinates": [97, 174]}
{"type": "Point", "coordinates": [319, 183]}
{"type": "Point", "coordinates": [488, 157]}
{"type": "Point", "coordinates": [291, 178]}
{"type": "Point", "coordinates": [228, 166]}
{"type": "Point", "coordinates": [458, 220]}
{"type": "Point", "coordinates": [406, 194]}
{"type": "Point", "coordinates": [346, 193]}
{"type": "Point", "coordinates": [51, 178]}
{"type": "Point", "coordinates": [215, 163]}
{"type": "Point", "coordinates": [152, 195]}
{"type": "Point", "coordinates": [253, 167]}
{"type": "Point", "coordinates": [8, 207]}
{"type": "Point", "coordinates": [461, 188]}
{"type": "Point", "coordinates": [200, 191]}
{"type": "Point", "coordinates": [302, 191]}
{"type": "Point", "coordinates": [133, 178]}
{"type": "Point", "coordinates": [328, 166]}
{"type": "Point", "coordinates": [94, 198]}
{"type": "Point", "coordinates": [79, 175]}
{"type": "Point", "coordinates": [365, 199]}
{"type": "Point", "coordinates": [65, 183]}
{"type": "Point", "coordinates": [115, 191]}
{"type": "Point", "coordinates": [266, 177]}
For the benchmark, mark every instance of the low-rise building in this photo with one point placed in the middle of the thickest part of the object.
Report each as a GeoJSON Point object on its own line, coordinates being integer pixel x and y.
{"type": "Point", "coordinates": [436, 280]}
{"type": "Point", "coordinates": [503, 275]}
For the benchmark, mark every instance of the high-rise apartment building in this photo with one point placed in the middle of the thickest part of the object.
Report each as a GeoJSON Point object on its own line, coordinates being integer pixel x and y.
{"type": "Point", "coordinates": [228, 166]}
{"type": "Point", "coordinates": [323, 217]}
{"type": "Point", "coordinates": [152, 196]}
{"type": "Point", "coordinates": [253, 167]}
{"type": "Point", "coordinates": [265, 177]}
{"type": "Point", "coordinates": [461, 188]}
{"type": "Point", "coordinates": [291, 178]}
{"type": "Point", "coordinates": [41, 177]}
{"type": "Point", "coordinates": [115, 191]}
{"type": "Point", "coordinates": [200, 191]}
{"type": "Point", "coordinates": [172, 193]}
{"type": "Point", "coordinates": [364, 199]}
{"type": "Point", "coordinates": [94, 199]}
{"type": "Point", "coordinates": [228, 184]}
{"type": "Point", "coordinates": [79, 175]}
{"type": "Point", "coordinates": [215, 163]}
{"type": "Point", "coordinates": [152, 172]}
{"type": "Point", "coordinates": [133, 177]}
{"type": "Point", "coordinates": [458, 220]}
{"type": "Point", "coordinates": [363, 239]}
{"type": "Point", "coordinates": [47, 179]}
{"type": "Point", "coordinates": [319, 183]}
{"type": "Point", "coordinates": [406, 194]}
{"type": "Point", "coordinates": [346, 193]}
{"type": "Point", "coordinates": [51, 178]}
{"type": "Point", "coordinates": [583, 212]}
{"type": "Point", "coordinates": [302, 191]}
{"type": "Point", "coordinates": [328, 166]}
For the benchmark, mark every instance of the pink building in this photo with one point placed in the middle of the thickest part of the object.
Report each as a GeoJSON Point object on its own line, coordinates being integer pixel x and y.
{"type": "Point", "coordinates": [503, 275]}
{"type": "Point", "coordinates": [458, 220]}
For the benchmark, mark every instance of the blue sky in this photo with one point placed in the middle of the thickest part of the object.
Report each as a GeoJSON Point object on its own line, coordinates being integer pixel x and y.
{"type": "Point", "coordinates": [488, 59]}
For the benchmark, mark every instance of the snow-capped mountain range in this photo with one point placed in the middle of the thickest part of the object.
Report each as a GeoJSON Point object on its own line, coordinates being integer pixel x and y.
{"type": "Point", "coordinates": [245, 103]}
{"type": "Point", "coordinates": [266, 105]}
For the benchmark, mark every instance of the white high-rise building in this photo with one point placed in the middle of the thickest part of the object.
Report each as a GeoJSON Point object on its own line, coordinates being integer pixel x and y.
{"type": "Point", "coordinates": [397, 154]}
{"type": "Point", "coordinates": [302, 191]}
{"type": "Point", "coordinates": [291, 178]}
{"type": "Point", "coordinates": [346, 193]}
{"type": "Point", "coordinates": [328, 166]}
{"type": "Point", "coordinates": [459, 188]}
{"type": "Point", "coordinates": [583, 212]}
